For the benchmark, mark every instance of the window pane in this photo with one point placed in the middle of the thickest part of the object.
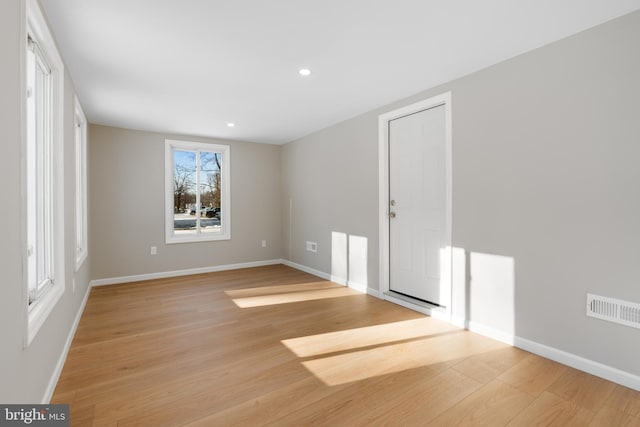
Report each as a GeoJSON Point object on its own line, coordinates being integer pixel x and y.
{"type": "Point", "coordinates": [79, 189]}
{"type": "Point", "coordinates": [31, 176]}
{"type": "Point", "coordinates": [39, 176]}
{"type": "Point", "coordinates": [197, 183]}
{"type": "Point", "coordinates": [209, 182]}
{"type": "Point", "coordinates": [186, 211]}
{"type": "Point", "coordinates": [81, 185]}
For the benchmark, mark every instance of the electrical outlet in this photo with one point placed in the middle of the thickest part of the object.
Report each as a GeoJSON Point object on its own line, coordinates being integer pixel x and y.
{"type": "Point", "coordinates": [312, 246]}
{"type": "Point", "coordinates": [264, 243]}
{"type": "Point", "coordinates": [154, 250]}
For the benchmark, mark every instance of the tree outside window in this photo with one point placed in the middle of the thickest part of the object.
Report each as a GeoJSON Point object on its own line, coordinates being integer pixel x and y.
{"type": "Point", "coordinates": [198, 175]}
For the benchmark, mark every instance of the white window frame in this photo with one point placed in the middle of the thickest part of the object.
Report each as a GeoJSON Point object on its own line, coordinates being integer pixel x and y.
{"type": "Point", "coordinates": [225, 188]}
{"type": "Point", "coordinates": [80, 134]}
{"type": "Point", "coordinates": [38, 311]}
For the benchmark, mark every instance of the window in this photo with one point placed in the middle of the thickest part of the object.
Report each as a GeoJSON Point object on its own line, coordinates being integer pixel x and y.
{"type": "Point", "coordinates": [39, 165]}
{"type": "Point", "coordinates": [43, 173]}
{"type": "Point", "coordinates": [81, 184]}
{"type": "Point", "coordinates": [197, 192]}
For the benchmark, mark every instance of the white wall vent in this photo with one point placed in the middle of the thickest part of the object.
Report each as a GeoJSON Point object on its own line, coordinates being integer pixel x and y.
{"type": "Point", "coordinates": [613, 310]}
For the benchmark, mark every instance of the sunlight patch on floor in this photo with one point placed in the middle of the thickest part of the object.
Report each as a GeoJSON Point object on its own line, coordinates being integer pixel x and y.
{"type": "Point", "coordinates": [297, 296]}
{"type": "Point", "coordinates": [438, 352]}
{"type": "Point", "coordinates": [331, 342]}
{"type": "Point", "coordinates": [280, 289]}
{"type": "Point", "coordinates": [366, 355]}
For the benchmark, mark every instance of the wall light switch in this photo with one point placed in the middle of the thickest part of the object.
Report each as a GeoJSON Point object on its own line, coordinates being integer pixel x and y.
{"type": "Point", "coordinates": [264, 243]}
{"type": "Point", "coordinates": [154, 250]}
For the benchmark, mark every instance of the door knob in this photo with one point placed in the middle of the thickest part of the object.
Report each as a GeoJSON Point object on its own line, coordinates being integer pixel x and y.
{"type": "Point", "coordinates": [392, 214]}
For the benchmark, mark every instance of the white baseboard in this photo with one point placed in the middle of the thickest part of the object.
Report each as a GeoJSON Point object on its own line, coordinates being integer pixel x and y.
{"type": "Point", "coordinates": [53, 381]}
{"type": "Point", "coordinates": [490, 332]}
{"type": "Point", "coordinates": [374, 293]}
{"type": "Point", "coordinates": [407, 304]}
{"type": "Point", "coordinates": [594, 368]}
{"type": "Point", "coordinates": [309, 270]}
{"type": "Point", "coordinates": [339, 280]}
{"type": "Point", "coordinates": [176, 273]}
{"type": "Point", "coordinates": [360, 287]}
{"type": "Point", "coordinates": [460, 322]}
{"type": "Point", "coordinates": [335, 279]}
{"type": "Point", "coordinates": [483, 330]}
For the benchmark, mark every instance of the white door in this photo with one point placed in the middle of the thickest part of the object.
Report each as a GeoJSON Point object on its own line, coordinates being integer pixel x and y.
{"type": "Point", "coordinates": [418, 232]}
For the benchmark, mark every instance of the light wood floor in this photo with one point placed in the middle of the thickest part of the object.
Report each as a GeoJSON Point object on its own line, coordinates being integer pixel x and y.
{"type": "Point", "coordinates": [275, 346]}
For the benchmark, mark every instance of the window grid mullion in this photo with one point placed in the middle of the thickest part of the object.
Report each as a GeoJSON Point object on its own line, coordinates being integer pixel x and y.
{"type": "Point", "coordinates": [198, 201]}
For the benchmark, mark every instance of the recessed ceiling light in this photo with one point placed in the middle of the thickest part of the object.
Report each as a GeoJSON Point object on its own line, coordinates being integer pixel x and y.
{"type": "Point", "coordinates": [231, 124]}
{"type": "Point", "coordinates": [304, 72]}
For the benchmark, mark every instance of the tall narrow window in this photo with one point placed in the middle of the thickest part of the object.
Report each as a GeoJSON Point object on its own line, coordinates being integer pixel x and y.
{"type": "Point", "coordinates": [81, 185]}
{"type": "Point", "coordinates": [197, 191]}
{"type": "Point", "coordinates": [39, 172]}
{"type": "Point", "coordinates": [43, 178]}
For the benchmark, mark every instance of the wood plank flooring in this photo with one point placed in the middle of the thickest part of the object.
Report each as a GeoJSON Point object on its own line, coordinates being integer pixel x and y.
{"type": "Point", "coordinates": [273, 346]}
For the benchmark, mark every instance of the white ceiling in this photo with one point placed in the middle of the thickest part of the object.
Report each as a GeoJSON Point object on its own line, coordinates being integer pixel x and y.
{"type": "Point", "coordinates": [191, 66]}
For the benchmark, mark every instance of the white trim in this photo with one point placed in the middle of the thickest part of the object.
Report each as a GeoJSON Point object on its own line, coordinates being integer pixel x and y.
{"type": "Point", "coordinates": [374, 293]}
{"type": "Point", "coordinates": [490, 332]}
{"type": "Point", "coordinates": [383, 185]}
{"type": "Point", "coordinates": [360, 287]}
{"type": "Point", "coordinates": [413, 305]}
{"type": "Point", "coordinates": [594, 368]}
{"type": "Point", "coordinates": [200, 270]}
{"type": "Point", "coordinates": [24, 313]}
{"type": "Point", "coordinates": [41, 310]}
{"type": "Point", "coordinates": [36, 25]}
{"type": "Point", "coordinates": [186, 272]}
{"type": "Point", "coordinates": [383, 198]}
{"type": "Point", "coordinates": [55, 376]}
{"type": "Point", "coordinates": [81, 191]}
{"type": "Point", "coordinates": [460, 322]}
{"type": "Point", "coordinates": [335, 279]}
{"type": "Point", "coordinates": [309, 270]}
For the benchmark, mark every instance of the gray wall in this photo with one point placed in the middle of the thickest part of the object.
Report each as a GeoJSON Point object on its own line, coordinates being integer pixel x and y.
{"type": "Point", "coordinates": [25, 372]}
{"type": "Point", "coordinates": [545, 191]}
{"type": "Point", "coordinates": [127, 206]}
{"type": "Point", "coordinates": [330, 184]}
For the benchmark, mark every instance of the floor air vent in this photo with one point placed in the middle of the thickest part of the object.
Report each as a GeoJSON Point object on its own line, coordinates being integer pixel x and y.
{"type": "Point", "coordinates": [613, 310]}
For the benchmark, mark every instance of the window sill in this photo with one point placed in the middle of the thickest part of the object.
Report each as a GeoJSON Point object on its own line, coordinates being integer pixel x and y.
{"type": "Point", "coordinates": [80, 260]}
{"type": "Point", "coordinates": [42, 309]}
{"type": "Point", "coordinates": [194, 239]}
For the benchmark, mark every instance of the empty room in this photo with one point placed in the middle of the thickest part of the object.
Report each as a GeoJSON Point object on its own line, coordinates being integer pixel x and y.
{"type": "Point", "coordinates": [333, 213]}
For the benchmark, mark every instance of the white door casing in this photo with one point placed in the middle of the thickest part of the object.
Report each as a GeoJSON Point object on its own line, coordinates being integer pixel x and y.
{"type": "Point", "coordinates": [415, 153]}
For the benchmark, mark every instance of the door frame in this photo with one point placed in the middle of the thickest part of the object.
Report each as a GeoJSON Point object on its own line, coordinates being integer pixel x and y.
{"type": "Point", "coordinates": [383, 201]}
